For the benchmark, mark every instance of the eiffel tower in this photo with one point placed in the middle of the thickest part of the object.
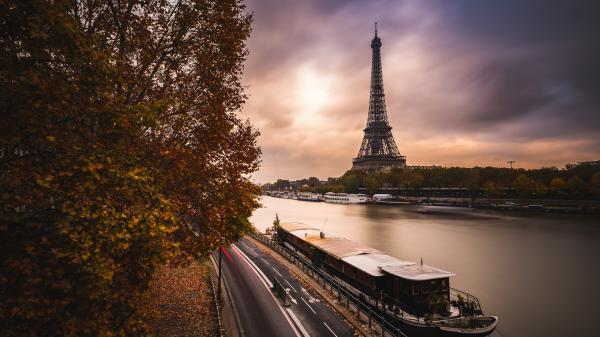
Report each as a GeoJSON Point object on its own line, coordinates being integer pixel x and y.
{"type": "Point", "coordinates": [378, 151]}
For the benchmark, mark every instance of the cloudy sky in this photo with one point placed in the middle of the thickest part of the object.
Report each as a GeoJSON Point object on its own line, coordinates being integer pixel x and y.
{"type": "Point", "coordinates": [467, 82]}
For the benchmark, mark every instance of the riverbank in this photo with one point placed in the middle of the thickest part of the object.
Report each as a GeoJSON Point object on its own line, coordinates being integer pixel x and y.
{"type": "Point", "coordinates": [514, 205]}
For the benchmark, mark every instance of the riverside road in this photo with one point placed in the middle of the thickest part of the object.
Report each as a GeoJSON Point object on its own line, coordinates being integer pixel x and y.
{"type": "Point", "coordinates": [249, 272]}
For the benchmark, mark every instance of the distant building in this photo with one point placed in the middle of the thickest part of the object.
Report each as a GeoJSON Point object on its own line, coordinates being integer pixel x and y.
{"type": "Point", "coordinates": [582, 163]}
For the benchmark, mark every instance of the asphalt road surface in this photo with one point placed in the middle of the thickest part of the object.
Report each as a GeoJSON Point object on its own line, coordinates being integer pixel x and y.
{"type": "Point", "coordinates": [258, 311]}
{"type": "Point", "coordinates": [249, 273]}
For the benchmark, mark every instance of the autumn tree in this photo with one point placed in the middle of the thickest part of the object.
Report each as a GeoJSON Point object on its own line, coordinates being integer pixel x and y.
{"type": "Point", "coordinates": [120, 151]}
{"type": "Point", "coordinates": [371, 184]}
{"type": "Point", "coordinates": [575, 186]}
{"type": "Point", "coordinates": [540, 189]}
{"type": "Point", "coordinates": [472, 181]}
{"type": "Point", "coordinates": [416, 180]}
{"type": "Point", "coordinates": [491, 191]}
{"type": "Point", "coordinates": [523, 185]}
{"type": "Point", "coordinates": [351, 181]}
{"type": "Point", "coordinates": [281, 184]}
{"type": "Point", "coordinates": [594, 185]}
{"type": "Point", "coordinates": [558, 184]}
{"type": "Point", "coordinates": [313, 181]}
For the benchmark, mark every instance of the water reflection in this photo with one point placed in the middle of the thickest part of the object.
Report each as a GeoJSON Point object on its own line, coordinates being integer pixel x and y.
{"type": "Point", "coordinates": [538, 272]}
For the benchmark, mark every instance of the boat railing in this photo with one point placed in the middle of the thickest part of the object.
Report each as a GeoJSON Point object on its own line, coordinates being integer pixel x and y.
{"type": "Point", "coordinates": [465, 300]}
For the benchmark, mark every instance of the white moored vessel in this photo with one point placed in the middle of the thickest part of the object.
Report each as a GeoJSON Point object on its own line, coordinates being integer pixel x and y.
{"type": "Point", "coordinates": [303, 196]}
{"type": "Point", "coordinates": [345, 198]}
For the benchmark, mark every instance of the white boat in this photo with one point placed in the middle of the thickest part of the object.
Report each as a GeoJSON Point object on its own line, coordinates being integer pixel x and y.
{"type": "Point", "coordinates": [381, 197]}
{"type": "Point", "coordinates": [468, 326]}
{"type": "Point", "coordinates": [345, 198]}
{"type": "Point", "coordinates": [309, 197]}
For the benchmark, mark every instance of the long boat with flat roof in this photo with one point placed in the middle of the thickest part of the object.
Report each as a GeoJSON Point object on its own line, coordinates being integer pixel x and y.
{"type": "Point", "coordinates": [418, 296]}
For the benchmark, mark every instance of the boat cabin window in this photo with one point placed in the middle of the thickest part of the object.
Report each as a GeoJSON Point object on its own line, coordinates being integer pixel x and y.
{"type": "Point", "coordinates": [429, 287]}
{"type": "Point", "coordinates": [444, 284]}
{"type": "Point", "coordinates": [415, 289]}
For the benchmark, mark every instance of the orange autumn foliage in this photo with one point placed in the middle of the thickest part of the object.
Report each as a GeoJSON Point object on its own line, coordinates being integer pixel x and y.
{"type": "Point", "coordinates": [120, 151]}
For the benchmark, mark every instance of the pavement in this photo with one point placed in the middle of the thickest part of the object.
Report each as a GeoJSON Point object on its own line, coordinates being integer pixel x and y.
{"type": "Point", "coordinates": [249, 273]}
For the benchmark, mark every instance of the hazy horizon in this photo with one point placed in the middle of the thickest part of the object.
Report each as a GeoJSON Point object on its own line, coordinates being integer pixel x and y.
{"type": "Point", "coordinates": [467, 84]}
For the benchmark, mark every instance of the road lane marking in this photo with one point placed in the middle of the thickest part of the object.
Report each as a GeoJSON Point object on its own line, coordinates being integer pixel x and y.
{"type": "Point", "coordinates": [308, 305]}
{"type": "Point", "coordinates": [246, 246]}
{"type": "Point", "coordinates": [310, 298]}
{"type": "Point", "coordinates": [328, 328]}
{"type": "Point", "coordinates": [261, 275]}
{"type": "Point", "coordinates": [265, 261]}
{"type": "Point", "coordinates": [293, 299]}
{"type": "Point", "coordinates": [298, 324]}
{"type": "Point", "coordinates": [259, 272]}
{"type": "Point", "coordinates": [286, 281]}
{"type": "Point", "coordinates": [278, 273]}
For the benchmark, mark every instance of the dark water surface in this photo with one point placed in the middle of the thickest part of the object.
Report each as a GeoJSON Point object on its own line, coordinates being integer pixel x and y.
{"type": "Point", "coordinates": [539, 273]}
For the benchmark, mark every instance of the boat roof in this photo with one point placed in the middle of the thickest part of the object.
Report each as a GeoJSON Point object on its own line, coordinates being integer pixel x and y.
{"type": "Point", "coordinates": [294, 226]}
{"type": "Point", "coordinates": [417, 272]}
{"type": "Point", "coordinates": [372, 263]}
{"type": "Point", "coordinates": [340, 247]}
{"type": "Point", "coordinates": [369, 260]}
{"type": "Point", "coordinates": [336, 246]}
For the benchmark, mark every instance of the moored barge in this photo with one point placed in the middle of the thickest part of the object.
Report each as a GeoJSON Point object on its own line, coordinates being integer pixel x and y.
{"type": "Point", "coordinates": [417, 296]}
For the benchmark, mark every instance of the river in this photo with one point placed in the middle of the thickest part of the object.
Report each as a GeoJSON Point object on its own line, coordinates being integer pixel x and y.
{"type": "Point", "coordinates": [540, 273]}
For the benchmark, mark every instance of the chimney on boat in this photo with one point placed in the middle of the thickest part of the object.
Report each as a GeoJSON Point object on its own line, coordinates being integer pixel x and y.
{"type": "Point", "coordinates": [322, 235]}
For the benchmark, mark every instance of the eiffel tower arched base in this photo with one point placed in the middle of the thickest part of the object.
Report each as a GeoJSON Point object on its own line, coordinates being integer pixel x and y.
{"type": "Point", "coordinates": [378, 163]}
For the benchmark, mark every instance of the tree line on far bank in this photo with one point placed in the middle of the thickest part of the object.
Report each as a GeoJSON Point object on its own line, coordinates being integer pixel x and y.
{"type": "Point", "coordinates": [578, 182]}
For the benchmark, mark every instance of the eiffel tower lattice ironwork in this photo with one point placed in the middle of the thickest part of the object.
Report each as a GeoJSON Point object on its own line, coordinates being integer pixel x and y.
{"type": "Point", "coordinates": [378, 150]}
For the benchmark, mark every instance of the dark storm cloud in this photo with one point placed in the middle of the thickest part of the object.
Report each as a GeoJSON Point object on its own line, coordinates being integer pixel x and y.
{"type": "Point", "coordinates": [467, 82]}
{"type": "Point", "coordinates": [554, 70]}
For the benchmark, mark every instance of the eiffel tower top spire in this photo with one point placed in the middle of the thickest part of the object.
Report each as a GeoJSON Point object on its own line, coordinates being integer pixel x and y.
{"type": "Point", "coordinates": [378, 149]}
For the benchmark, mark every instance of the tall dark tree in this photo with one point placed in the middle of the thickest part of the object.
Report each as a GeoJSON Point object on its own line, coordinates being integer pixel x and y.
{"type": "Point", "coordinates": [120, 150]}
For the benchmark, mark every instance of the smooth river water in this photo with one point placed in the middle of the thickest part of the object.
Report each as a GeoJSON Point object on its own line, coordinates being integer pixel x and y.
{"type": "Point", "coordinates": [539, 273]}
